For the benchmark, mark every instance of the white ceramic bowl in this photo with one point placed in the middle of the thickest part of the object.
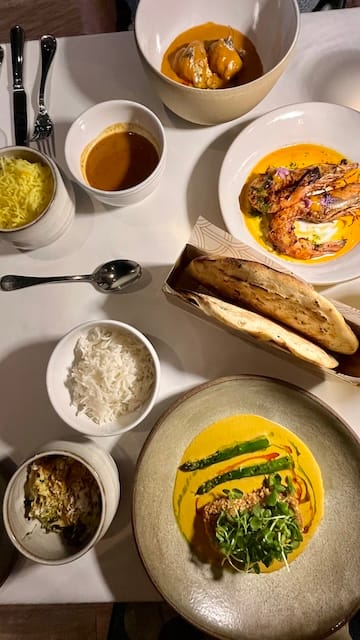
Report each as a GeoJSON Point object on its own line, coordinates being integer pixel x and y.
{"type": "Point", "coordinates": [58, 369]}
{"type": "Point", "coordinates": [28, 536]}
{"type": "Point", "coordinates": [91, 123]}
{"type": "Point", "coordinates": [58, 216]}
{"type": "Point", "coordinates": [319, 123]}
{"type": "Point", "coordinates": [273, 28]}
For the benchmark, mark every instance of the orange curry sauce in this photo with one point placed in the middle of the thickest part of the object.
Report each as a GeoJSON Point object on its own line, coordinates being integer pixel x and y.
{"type": "Point", "coordinates": [296, 156]}
{"type": "Point", "coordinates": [305, 475]}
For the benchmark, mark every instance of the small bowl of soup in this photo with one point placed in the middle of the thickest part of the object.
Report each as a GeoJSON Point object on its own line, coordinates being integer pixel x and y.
{"type": "Point", "coordinates": [116, 151]}
{"type": "Point", "coordinates": [211, 62]}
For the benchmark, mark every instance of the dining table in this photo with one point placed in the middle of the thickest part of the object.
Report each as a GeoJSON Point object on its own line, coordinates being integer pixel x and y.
{"type": "Point", "coordinates": [88, 69]}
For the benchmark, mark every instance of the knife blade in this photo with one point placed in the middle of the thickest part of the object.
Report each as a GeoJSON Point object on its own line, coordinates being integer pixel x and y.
{"type": "Point", "coordinates": [17, 38]}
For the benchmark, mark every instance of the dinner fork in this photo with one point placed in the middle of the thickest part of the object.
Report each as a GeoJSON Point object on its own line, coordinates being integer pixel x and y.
{"type": "Point", "coordinates": [43, 133]}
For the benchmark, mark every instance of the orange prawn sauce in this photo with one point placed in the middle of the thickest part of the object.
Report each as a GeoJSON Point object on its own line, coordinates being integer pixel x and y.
{"type": "Point", "coordinates": [297, 156]}
{"type": "Point", "coordinates": [251, 69]}
{"type": "Point", "coordinates": [305, 475]}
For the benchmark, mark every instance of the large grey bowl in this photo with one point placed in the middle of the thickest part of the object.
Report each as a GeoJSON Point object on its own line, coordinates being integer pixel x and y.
{"type": "Point", "coordinates": [322, 589]}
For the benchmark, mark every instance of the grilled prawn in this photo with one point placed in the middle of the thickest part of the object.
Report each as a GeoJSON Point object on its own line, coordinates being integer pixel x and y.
{"type": "Point", "coordinates": [279, 188]}
{"type": "Point", "coordinates": [325, 208]}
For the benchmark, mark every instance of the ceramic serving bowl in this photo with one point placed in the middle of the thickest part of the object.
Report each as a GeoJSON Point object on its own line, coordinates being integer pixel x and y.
{"type": "Point", "coordinates": [145, 371]}
{"type": "Point", "coordinates": [273, 28]}
{"type": "Point", "coordinates": [301, 603]}
{"type": "Point", "coordinates": [55, 219]}
{"type": "Point", "coordinates": [318, 123]}
{"type": "Point", "coordinates": [92, 123]}
{"type": "Point", "coordinates": [48, 547]}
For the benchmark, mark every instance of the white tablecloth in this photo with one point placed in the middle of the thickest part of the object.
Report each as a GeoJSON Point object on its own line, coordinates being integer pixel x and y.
{"type": "Point", "coordinates": [90, 69]}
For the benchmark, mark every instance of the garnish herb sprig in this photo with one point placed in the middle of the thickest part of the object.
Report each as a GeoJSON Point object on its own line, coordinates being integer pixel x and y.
{"type": "Point", "coordinates": [268, 531]}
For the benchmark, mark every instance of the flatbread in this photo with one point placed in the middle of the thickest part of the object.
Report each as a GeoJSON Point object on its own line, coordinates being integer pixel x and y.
{"type": "Point", "coordinates": [279, 296]}
{"type": "Point", "coordinates": [251, 323]}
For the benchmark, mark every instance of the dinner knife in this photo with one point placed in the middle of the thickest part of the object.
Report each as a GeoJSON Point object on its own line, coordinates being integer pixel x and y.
{"type": "Point", "coordinates": [17, 38]}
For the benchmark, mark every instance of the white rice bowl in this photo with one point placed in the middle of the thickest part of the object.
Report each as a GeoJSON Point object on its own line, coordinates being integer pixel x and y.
{"type": "Point", "coordinates": [103, 377]}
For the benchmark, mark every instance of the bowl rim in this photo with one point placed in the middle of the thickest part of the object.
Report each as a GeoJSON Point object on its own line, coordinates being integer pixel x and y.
{"type": "Point", "coordinates": [7, 506]}
{"type": "Point", "coordinates": [227, 90]}
{"type": "Point", "coordinates": [137, 187]}
{"type": "Point", "coordinates": [97, 429]}
{"type": "Point", "coordinates": [338, 270]}
{"type": "Point", "coordinates": [46, 160]}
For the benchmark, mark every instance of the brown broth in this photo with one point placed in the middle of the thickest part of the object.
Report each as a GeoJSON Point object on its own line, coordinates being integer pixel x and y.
{"type": "Point", "coordinates": [251, 69]}
{"type": "Point", "coordinates": [119, 159]}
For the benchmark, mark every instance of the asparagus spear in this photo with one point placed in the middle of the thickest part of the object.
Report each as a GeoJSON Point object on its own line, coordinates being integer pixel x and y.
{"type": "Point", "coordinates": [224, 454]}
{"type": "Point", "coordinates": [278, 464]}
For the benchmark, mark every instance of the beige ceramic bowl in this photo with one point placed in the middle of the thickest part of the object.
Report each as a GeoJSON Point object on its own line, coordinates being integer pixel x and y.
{"type": "Point", "coordinates": [27, 535]}
{"type": "Point", "coordinates": [272, 26]}
{"type": "Point", "coordinates": [58, 216]}
{"type": "Point", "coordinates": [322, 589]}
{"type": "Point", "coordinates": [89, 126]}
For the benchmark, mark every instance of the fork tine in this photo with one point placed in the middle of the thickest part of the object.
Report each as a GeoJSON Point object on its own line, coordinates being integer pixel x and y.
{"type": "Point", "coordinates": [52, 145]}
{"type": "Point", "coordinates": [46, 145]}
{"type": "Point", "coordinates": [40, 145]}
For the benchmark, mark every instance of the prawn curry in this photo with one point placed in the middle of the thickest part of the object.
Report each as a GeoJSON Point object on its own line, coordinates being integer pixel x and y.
{"type": "Point", "coordinates": [212, 56]}
{"type": "Point", "coordinates": [248, 494]}
{"type": "Point", "coordinates": [303, 202]}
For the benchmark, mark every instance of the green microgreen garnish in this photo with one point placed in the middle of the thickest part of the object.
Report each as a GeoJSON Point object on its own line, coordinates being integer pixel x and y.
{"type": "Point", "coordinates": [268, 531]}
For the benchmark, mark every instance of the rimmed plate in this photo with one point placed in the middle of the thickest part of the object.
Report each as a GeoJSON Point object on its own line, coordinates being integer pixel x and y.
{"type": "Point", "coordinates": [322, 589]}
{"type": "Point", "coordinates": [319, 123]}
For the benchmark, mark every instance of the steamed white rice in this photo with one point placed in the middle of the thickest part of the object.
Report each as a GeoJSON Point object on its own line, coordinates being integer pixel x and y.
{"type": "Point", "coordinates": [112, 374]}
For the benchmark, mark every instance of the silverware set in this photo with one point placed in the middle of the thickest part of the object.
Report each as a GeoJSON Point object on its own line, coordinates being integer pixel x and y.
{"type": "Point", "coordinates": [43, 134]}
{"type": "Point", "coordinates": [17, 39]}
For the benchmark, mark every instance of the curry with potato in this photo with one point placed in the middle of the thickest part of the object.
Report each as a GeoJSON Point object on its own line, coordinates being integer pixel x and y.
{"type": "Point", "coordinates": [212, 56]}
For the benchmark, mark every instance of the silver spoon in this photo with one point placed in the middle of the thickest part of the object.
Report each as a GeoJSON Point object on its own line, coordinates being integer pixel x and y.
{"type": "Point", "coordinates": [111, 277]}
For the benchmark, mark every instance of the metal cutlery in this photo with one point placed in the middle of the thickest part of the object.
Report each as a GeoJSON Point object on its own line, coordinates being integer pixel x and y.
{"type": "Point", "coordinates": [110, 277]}
{"type": "Point", "coordinates": [43, 133]}
{"type": "Point", "coordinates": [17, 39]}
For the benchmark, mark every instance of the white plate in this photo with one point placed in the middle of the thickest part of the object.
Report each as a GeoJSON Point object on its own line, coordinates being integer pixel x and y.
{"type": "Point", "coordinates": [329, 125]}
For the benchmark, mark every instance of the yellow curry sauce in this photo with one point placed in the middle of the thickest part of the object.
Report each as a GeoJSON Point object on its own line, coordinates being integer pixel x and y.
{"type": "Point", "coordinates": [296, 156]}
{"type": "Point", "coordinates": [251, 69]}
{"type": "Point", "coordinates": [305, 475]}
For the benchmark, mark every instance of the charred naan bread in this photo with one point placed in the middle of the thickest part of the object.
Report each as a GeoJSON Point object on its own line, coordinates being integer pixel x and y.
{"type": "Point", "coordinates": [279, 296]}
{"type": "Point", "coordinates": [261, 328]}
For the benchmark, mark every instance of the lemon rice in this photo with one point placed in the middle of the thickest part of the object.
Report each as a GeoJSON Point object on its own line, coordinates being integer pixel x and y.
{"type": "Point", "coordinates": [25, 191]}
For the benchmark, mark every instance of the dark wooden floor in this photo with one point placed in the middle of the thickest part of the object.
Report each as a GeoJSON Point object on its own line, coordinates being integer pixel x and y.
{"type": "Point", "coordinates": [55, 622]}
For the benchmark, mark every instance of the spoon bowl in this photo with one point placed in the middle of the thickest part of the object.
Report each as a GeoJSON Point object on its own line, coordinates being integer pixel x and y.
{"type": "Point", "coordinates": [110, 277]}
{"type": "Point", "coordinates": [115, 275]}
